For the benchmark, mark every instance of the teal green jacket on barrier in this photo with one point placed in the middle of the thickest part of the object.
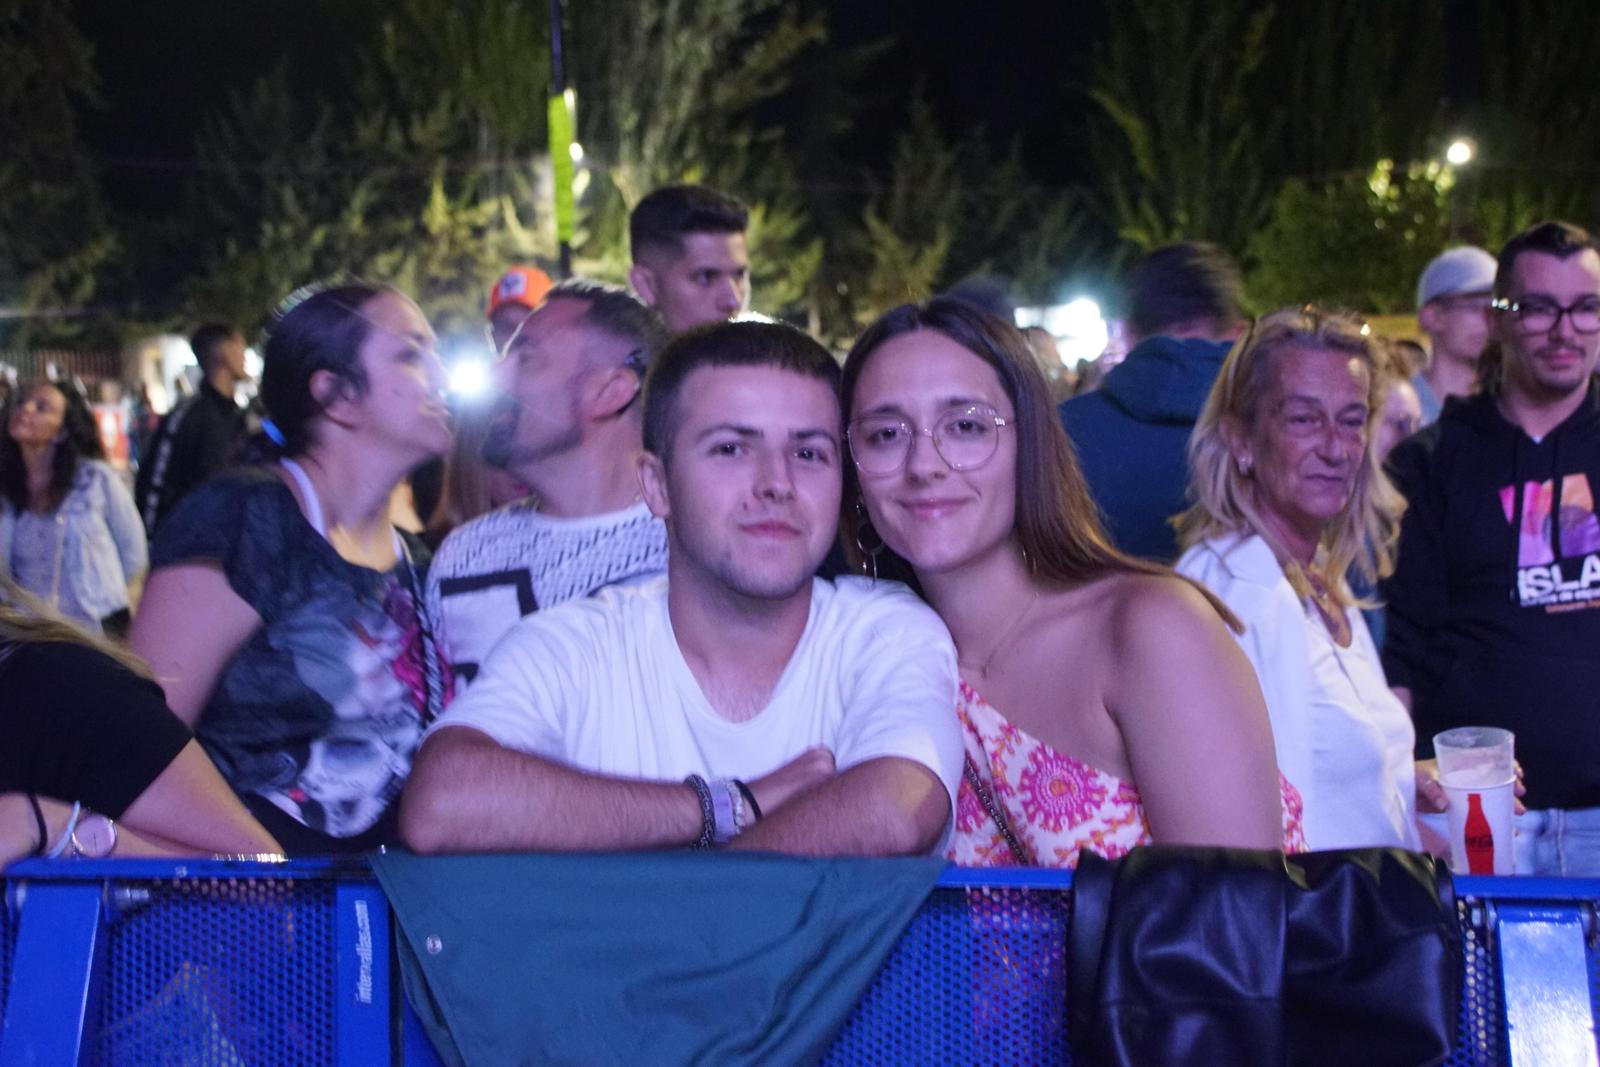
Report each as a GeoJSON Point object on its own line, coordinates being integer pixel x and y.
{"type": "Point", "coordinates": [644, 958]}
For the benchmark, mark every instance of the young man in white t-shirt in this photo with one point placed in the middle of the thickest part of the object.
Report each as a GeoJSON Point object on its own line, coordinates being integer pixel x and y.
{"type": "Point", "coordinates": [740, 701]}
{"type": "Point", "coordinates": [567, 425]}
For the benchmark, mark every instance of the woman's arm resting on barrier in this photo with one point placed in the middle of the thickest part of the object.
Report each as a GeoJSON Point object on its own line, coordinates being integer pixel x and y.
{"type": "Point", "coordinates": [192, 811]}
{"type": "Point", "coordinates": [19, 834]}
{"type": "Point", "coordinates": [889, 806]}
{"type": "Point", "coordinates": [190, 624]}
{"type": "Point", "coordinates": [1190, 711]}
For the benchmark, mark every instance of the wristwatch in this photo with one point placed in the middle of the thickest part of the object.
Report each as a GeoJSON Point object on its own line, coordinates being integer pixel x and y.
{"type": "Point", "coordinates": [94, 837]}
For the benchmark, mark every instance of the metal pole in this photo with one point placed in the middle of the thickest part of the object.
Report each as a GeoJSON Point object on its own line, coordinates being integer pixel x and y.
{"type": "Point", "coordinates": [561, 135]}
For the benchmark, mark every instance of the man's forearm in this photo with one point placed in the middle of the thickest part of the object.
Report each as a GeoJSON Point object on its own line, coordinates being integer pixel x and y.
{"type": "Point", "coordinates": [469, 794]}
{"type": "Point", "coordinates": [884, 807]}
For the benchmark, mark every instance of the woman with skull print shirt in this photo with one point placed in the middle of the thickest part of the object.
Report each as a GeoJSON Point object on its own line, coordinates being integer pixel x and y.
{"type": "Point", "coordinates": [283, 615]}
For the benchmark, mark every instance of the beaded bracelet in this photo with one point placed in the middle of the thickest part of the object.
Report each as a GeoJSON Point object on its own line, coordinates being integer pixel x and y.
{"type": "Point", "coordinates": [741, 818]}
{"type": "Point", "coordinates": [708, 811]}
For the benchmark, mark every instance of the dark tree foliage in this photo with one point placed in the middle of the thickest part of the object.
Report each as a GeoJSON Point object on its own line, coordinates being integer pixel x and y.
{"type": "Point", "coordinates": [55, 234]}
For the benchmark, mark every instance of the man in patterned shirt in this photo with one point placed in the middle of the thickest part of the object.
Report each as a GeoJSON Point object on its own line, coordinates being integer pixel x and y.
{"type": "Point", "coordinates": [567, 424]}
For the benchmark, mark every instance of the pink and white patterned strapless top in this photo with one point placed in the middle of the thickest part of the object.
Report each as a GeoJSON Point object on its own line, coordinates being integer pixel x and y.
{"type": "Point", "coordinates": [1057, 806]}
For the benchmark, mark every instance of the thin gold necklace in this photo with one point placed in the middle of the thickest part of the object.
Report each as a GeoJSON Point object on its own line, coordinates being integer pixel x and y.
{"type": "Point", "coordinates": [983, 668]}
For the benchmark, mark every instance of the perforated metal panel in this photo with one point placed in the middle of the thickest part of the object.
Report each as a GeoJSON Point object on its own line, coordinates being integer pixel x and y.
{"type": "Point", "coordinates": [8, 945]}
{"type": "Point", "coordinates": [1593, 952]}
{"type": "Point", "coordinates": [219, 969]}
{"type": "Point", "coordinates": [977, 977]}
{"type": "Point", "coordinates": [1480, 1032]}
{"type": "Point", "coordinates": [212, 971]}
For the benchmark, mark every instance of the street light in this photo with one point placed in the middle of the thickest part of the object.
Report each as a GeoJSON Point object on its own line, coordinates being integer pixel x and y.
{"type": "Point", "coordinates": [1458, 154]}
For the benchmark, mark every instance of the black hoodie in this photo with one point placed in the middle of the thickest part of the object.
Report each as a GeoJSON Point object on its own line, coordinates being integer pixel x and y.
{"type": "Point", "coordinates": [1491, 629]}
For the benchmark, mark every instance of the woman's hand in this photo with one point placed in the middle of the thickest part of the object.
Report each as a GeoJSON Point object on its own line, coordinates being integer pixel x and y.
{"type": "Point", "coordinates": [1432, 798]}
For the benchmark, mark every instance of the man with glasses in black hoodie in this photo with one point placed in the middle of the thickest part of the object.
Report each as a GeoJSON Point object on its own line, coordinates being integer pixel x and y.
{"type": "Point", "coordinates": [1490, 620]}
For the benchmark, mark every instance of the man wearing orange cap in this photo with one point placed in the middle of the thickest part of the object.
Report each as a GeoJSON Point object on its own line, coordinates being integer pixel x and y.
{"type": "Point", "coordinates": [515, 295]}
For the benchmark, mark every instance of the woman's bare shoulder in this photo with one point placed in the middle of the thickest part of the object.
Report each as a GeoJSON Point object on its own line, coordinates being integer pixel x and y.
{"type": "Point", "coordinates": [1149, 615]}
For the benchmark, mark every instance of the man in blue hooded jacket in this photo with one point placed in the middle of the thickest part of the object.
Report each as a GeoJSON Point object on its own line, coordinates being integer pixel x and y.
{"type": "Point", "coordinates": [1186, 308]}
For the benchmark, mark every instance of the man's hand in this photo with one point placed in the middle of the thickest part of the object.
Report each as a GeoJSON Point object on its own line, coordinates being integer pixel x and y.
{"type": "Point", "coordinates": [887, 806]}
{"type": "Point", "coordinates": [811, 768]}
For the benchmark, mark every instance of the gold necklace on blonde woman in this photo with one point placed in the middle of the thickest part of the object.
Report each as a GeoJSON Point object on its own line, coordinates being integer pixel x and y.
{"type": "Point", "coordinates": [1006, 635]}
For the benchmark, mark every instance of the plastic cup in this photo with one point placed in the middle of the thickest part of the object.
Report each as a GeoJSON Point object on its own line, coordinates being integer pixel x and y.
{"type": "Point", "coordinates": [1477, 769]}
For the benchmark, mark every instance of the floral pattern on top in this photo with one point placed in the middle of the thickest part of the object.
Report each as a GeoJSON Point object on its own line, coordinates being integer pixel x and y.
{"type": "Point", "coordinates": [1057, 806]}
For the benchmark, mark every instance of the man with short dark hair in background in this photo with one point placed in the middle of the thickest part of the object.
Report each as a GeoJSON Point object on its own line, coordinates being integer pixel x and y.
{"type": "Point", "coordinates": [1186, 308]}
{"type": "Point", "coordinates": [566, 423]}
{"type": "Point", "coordinates": [1492, 618]}
{"type": "Point", "coordinates": [690, 262]}
{"type": "Point", "coordinates": [200, 435]}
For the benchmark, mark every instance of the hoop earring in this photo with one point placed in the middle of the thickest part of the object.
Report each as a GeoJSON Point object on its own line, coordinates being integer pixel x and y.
{"type": "Point", "coordinates": [1027, 560]}
{"type": "Point", "coordinates": [870, 557]}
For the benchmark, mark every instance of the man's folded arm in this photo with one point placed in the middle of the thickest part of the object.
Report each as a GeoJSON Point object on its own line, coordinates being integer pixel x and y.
{"type": "Point", "coordinates": [468, 793]}
{"type": "Point", "coordinates": [889, 806]}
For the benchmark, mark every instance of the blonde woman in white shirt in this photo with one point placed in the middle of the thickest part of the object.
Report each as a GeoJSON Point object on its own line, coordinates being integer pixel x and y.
{"type": "Point", "coordinates": [1288, 496]}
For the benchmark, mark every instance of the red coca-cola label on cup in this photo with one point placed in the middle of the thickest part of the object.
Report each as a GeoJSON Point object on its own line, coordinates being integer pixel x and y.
{"type": "Point", "coordinates": [1479, 838]}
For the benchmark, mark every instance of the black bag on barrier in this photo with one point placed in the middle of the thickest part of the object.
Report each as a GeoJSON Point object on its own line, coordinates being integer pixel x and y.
{"type": "Point", "coordinates": [1183, 955]}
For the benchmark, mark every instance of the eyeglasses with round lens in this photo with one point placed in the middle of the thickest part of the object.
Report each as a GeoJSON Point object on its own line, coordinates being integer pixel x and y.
{"type": "Point", "coordinates": [965, 438]}
{"type": "Point", "coordinates": [1537, 315]}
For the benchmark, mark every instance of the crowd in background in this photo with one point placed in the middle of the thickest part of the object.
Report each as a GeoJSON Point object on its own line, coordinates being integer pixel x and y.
{"type": "Point", "coordinates": [688, 580]}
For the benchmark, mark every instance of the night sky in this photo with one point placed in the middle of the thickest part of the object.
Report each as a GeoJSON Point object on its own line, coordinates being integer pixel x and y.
{"type": "Point", "coordinates": [162, 65]}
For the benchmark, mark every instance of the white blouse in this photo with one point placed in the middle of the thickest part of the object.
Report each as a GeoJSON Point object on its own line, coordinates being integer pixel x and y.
{"type": "Point", "coordinates": [1342, 736]}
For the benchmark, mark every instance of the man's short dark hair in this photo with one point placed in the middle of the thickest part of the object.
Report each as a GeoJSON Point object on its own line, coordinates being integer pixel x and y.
{"type": "Point", "coordinates": [1554, 238]}
{"type": "Point", "coordinates": [206, 340]}
{"type": "Point", "coordinates": [617, 313]}
{"type": "Point", "coordinates": [667, 215]}
{"type": "Point", "coordinates": [1183, 283]}
{"type": "Point", "coordinates": [725, 344]}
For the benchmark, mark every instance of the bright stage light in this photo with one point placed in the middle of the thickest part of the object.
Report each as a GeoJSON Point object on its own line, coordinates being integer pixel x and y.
{"type": "Point", "coordinates": [469, 377]}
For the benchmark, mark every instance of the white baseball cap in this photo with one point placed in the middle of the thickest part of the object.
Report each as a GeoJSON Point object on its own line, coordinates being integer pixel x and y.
{"type": "Point", "coordinates": [1467, 269]}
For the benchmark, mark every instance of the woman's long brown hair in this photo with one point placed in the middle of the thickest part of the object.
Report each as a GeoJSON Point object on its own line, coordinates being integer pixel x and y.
{"type": "Point", "coordinates": [1057, 524]}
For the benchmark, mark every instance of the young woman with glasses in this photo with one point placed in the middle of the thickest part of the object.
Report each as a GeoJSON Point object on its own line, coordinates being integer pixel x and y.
{"type": "Point", "coordinates": [1104, 704]}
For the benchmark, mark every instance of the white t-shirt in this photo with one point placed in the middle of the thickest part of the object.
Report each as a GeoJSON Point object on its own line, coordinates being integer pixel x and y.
{"type": "Point", "coordinates": [492, 571]}
{"type": "Point", "coordinates": [601, 684]}
{"type": "Point", "coordinates": [1342, 737]}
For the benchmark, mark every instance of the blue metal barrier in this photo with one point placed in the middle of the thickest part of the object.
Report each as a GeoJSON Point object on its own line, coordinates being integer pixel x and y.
{"type": "Point", "coordinates": [153, 963]}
